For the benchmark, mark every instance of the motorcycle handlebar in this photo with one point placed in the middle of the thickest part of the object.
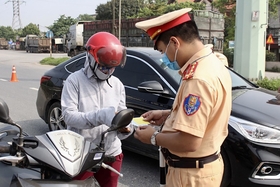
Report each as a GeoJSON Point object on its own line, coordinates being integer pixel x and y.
{"type": "Point", "coordinates": [4, 148]}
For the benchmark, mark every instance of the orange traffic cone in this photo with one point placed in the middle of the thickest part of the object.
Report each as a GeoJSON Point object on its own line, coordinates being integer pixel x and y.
{"type": "Point", "coordinates": [14, 75]}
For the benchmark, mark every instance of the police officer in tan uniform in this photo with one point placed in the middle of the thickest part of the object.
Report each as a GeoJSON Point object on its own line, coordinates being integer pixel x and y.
{"type": "Point", "coordinates": [196, 126]}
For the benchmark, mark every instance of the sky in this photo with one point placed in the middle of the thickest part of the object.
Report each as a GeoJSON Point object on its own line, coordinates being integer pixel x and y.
{"type": "Point", "coordinates": [45, 12]}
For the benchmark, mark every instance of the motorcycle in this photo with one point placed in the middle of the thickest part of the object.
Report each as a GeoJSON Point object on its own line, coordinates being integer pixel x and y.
{"type": "Point", "coordinates": [54, 158]}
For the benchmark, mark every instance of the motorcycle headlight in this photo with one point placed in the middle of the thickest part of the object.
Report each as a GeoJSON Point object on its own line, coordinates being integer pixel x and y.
{"type": "Point", "coordinates": [254, 131]}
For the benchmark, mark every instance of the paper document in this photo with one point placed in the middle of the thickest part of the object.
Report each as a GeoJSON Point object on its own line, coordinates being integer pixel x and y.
{"type": "Point", "coordinates": [139, 121]}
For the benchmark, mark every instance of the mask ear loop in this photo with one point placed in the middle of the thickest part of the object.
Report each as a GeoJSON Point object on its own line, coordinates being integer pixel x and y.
{"type": "Point", "coordinates": [175, 56]}
{"type": "Point", "coordinates": [89, 62]}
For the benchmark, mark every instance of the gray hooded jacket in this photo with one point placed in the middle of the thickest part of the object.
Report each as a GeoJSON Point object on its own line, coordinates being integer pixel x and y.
{"type": "Point", "coordinates": [89, 105]}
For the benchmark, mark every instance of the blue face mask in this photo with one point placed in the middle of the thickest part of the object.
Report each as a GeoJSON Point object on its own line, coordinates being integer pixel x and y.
{"type": "Point", "coordinates": [171, 65]}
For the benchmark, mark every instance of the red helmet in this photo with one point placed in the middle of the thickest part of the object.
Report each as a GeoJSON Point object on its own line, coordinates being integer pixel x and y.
{"type": "Point", "coordinates": [106, 49]}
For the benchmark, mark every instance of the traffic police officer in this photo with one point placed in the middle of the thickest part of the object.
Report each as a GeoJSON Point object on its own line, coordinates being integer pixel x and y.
{"type": "Point", "coordinates": [196, 126]}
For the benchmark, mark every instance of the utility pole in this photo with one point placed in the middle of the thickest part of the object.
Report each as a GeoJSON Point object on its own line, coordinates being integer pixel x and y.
{"type": "Point", "coordinates": [250, 38]}
{"type": "Point", "coordinates": [113, 21]}
{"type": "Point", "coordinates": [120, 18]}
{"type": "Point", "coordinates": [16, 13]}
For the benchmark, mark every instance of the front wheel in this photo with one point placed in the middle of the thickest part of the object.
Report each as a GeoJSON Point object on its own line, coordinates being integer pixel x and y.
{"type": "Point", "coordinates": [55, 119]}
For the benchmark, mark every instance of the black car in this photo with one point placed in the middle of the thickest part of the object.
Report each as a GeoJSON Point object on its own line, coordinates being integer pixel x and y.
{"type": "Point", "coordinates": [251, 152]}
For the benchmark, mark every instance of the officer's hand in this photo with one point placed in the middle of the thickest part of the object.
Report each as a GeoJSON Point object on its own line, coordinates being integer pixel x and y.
{"type": "Point", "coordinates": [278, 96]}
{"type": "Point", "coordinates": [144, 133]}
{"type": "Point", "coordinates": [155, 117]}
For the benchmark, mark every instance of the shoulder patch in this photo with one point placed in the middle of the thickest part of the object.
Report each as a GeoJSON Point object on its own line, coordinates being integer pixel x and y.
{"type": "Point", "coordinates": [188, 73]}
{"type": "Point", "coordinates": [191, 104]}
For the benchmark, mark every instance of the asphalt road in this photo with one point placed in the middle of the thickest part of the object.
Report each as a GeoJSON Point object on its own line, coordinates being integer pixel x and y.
{"type": "Point", "coordinates": [138, 170]}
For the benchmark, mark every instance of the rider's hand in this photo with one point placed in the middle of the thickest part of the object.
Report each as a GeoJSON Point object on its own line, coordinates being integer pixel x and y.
{"type": "Point", "coordinates": [124, 130]}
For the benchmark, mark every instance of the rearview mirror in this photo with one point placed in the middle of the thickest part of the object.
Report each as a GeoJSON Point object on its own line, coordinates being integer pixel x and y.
{"type": "Point", "coordinates": [4, 112]}
{"type": "Point", "coordinates": [121, 119]}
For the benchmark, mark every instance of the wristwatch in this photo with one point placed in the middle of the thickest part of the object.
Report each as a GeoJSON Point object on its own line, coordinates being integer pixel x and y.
{"type": "Point", "coordinates": [153, 138]}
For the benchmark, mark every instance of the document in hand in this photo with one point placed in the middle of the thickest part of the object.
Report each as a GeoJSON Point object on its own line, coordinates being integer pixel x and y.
{"type": "Point", "coordinates": [139, 121]}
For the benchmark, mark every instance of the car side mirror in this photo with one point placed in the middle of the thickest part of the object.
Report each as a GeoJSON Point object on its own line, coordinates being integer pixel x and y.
{"type": "Point", "coordinates": [152, 87]}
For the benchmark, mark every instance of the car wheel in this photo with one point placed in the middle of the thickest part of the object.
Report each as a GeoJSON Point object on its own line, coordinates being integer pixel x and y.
{"type": "Point", "coordinates": [55, 120]}
{"type": "Point", "coordinates": [227, 171]}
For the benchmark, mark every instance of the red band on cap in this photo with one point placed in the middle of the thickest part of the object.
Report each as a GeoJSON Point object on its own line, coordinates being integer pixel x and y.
{"type": "Point", "coordinates": [155, 31]}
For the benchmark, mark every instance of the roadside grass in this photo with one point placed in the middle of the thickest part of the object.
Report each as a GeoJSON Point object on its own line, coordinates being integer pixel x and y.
{"type": "Point", "coordinates": [53, 61]}
{"type": "Point", "coordinates": [270, 84]}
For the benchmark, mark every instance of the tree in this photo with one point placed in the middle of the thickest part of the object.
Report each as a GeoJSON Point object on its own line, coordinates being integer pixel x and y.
{"type": "Point", "coordinates": [86, 17]}
{"type": "Point", "coordinates": [104, 11]}
{"type": "Point", "coordinates": [273, 8]}
{"type": "Point", "coordinates": [30, 29]}
{"type": "Point", "coordinates": [141, 8]}
{"type": "Point", "coordinates": [61, 26]}
{"type": "Point", "coordinates": [128, 8]}
{"type": "Point", "coordinates": [7, 33]}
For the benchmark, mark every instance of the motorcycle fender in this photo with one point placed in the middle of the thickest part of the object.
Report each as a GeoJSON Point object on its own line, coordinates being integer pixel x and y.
{"type": "Point", "coordinates": [28, 182]}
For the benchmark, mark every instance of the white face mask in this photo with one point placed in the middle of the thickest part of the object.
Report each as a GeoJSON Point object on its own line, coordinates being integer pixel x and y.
{"type": "Point", "coordinates": [102, 73]}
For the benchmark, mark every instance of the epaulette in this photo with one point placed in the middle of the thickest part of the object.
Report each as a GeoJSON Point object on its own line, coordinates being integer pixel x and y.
{"type": "Point", "coordinates": [188, 73]}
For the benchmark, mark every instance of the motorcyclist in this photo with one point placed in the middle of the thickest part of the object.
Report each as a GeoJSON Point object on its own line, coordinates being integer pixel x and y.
{"type": "Point", "coordinates": [91, 97]}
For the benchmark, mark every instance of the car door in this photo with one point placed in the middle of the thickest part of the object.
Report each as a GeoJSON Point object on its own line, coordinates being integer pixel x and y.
{"type": "Point", "coordinates": [137, 70]}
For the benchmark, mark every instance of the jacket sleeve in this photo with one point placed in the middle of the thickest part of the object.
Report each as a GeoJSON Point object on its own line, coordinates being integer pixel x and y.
{"type": "Point", "coordinates": [81, 120]}
{"type": "Point", "coordinates": [122, 105]}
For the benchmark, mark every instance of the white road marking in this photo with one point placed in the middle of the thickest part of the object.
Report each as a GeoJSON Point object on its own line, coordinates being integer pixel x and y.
{"type": "Point", "coordinates": [3, 80]}
{"type": "Point", "coordinates": [36, 89]}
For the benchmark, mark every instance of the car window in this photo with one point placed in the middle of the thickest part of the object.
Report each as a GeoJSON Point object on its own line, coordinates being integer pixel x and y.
{"type": "Point", "coordinates": [75, 64]}
{"type": "Point", "coordinates": [173, 73]}
{"type": "Point", "coordinates": [136, 71]}
{"type": "Point", "coordinates": [238, 81]}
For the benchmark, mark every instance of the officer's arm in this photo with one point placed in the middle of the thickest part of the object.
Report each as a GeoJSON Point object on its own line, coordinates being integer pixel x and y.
{"type": "Point", "coordinates": [178, 141]}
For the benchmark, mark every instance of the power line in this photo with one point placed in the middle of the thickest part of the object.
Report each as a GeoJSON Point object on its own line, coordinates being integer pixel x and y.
{"type": "Point", "coordinates": [16, 13]}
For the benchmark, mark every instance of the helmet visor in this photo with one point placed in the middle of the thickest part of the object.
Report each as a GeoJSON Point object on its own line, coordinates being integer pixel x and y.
{"type": "Point", "coordinates": [111, 56]}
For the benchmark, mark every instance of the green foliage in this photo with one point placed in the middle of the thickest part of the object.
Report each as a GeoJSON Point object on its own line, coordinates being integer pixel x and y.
{"type": "Point", "coordinates": [275, 69]}
{"type": "Point", "coordinates": [7, 33]}
{"type": "Point", "coordinates": [141, 8]}
{"type": "Point", "coordinates": [30, 29]}
{"type": "Point", "coordinates": [104, 11]}
{"type": "Point", "coordinates": [273, 8]}
{"type": "Point", "coordinates": [270, 56]}
{"type": "Point", "coordinates": [271, 84]}
{"type": "Point", "coordinates": [53, 61]}
{"type": "Point", "coordinates": [61, 26]}
{"type": "Point", "coordinates": [85, 17]}
{"type": "Point", "coordinates": [229, 53]}
{"type": "Point", "coordinates": [129, 8]}
{"type": "Point", "coordinates": [229, 16]}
